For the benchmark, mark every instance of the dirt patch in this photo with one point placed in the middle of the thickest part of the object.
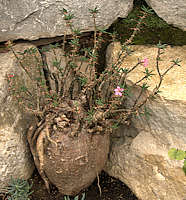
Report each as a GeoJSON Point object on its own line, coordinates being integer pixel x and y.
{"type": "Point", "coordinates": [112, 189]}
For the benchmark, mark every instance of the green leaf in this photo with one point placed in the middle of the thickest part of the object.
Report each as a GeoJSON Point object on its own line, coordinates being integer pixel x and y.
{"type": "Point", "coordinates": [144, 86]}
{"type": "Point", "coordinates": [72, 65]}
{"type": "Point", "coordinates": [83, 81]}
{"type": "Point", "coordinates": [76, 197]}
{"type": "Point", "coordinates": [23, 88]}
{"type": "Point", "coordinates": [147, 10]}
{"type": "Point", "coordinates": [83, 197]}
{"type": "Point", "coordinates": [148, 73]}
{"type": "Point", "coordinates": [56, 63]}
{"type": "Point", "coordinates": [99, 102]}
{"type": "Point", "coordinates": [176, 154]}
{"type": "Point", "coordinates": [176, 61]}
{"type": "Point", "coordinates": [75, 42]}
{"type": "Point", "coordinates": [64, 10]}
{"type": "Point", "coordinates": [68, 17]}
{"type": "Point", "coordinates": [44, 49]}
{"type": "Point", "coordinates": [172, 153]}
{"type": "Point", "coordinates": [124, 70]}
{"type": "Point", "coordinates": [94, 11]}
{"type": "Point", "coordinates": [161, 46]}
{"type": "Point", "coordinates": [83, 59]}
{"type": "Point", "coordinates": [147, 112]}
{"type": "Point", "coordinates": [55, 104]}
{"type": "Point", "coordinates": [67, 198]}
{"type": "Point", "coordinates": [77, 31]}
{"type": "Point", "coordinates": [115, 126]}
{"type": "Point", "coordinates": [180, 155]}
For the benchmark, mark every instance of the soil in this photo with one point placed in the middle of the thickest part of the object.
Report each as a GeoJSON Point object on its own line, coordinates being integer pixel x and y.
{"type": "Point", "coordinates": [111, 189]}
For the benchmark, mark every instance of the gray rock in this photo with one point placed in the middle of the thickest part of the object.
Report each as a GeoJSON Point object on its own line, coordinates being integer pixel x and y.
{"type": "Point", "coordinates": [174, 83]}
{"type": "Point", "coordinates": [15, 157]}
{"type": "Point", "coordinates": [41, 19]}
{"type": "Point", "coordinates": [139, 152]}
{"type": "Point", "coordinates": [173, 12]}
{"type": "Point", "coordinates": [142, 162]}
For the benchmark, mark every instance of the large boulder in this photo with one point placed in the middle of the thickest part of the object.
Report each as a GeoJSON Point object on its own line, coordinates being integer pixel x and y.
{"type": "Point", "coordinates": [173, 12]}
{"type": "Point", "coordinates": [16, 160]}
{"type": "Point", "coordinates": [139, 153]}
{"type": "Point", "coordinates": [43, 19]}
{"type": "Point", "coordinates": [174, 83]}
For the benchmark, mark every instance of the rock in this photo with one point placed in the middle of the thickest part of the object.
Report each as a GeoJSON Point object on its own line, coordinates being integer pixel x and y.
{"type": "Point", "coordinates": [42, 19]}
{"type": "Point", "coordinates": [16, 160]}
{"type": "Point", "coordinates": [174, 83]}
{"type": "Point", "coordinates": [173, 12]}
{"type": "Point", "coordinates": [142, 163]}
{"type": "Point", "coordinates": [139, 153]}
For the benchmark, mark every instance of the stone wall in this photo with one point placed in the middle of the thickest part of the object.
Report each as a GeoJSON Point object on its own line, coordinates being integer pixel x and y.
{"type": "Point", "coordinates": [139, 152]}
{"type": "Point", "coordinates": [31, 20]}
{"type": "Point", "coordinates": [15, 157]}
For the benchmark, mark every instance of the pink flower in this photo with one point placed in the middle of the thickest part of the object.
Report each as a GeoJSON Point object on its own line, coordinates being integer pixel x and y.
{"type": "Point", "coordinates": [118, 91]}
{"type": "Point", "coordinates": [11, 75]}
{"type": "Point", "coordinates": [145, 62]}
